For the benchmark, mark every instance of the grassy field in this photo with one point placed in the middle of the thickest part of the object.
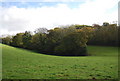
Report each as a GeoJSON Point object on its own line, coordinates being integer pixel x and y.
{"type": "Point", "coordinates": [23, 64]}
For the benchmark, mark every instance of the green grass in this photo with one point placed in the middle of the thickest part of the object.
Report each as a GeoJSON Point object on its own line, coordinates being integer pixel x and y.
{"type": "Point", "coordinates": [23, 64]}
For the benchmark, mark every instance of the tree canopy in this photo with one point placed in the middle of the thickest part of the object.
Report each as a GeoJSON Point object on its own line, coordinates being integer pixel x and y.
{"type": "Point", "coordinates": [67, 41]}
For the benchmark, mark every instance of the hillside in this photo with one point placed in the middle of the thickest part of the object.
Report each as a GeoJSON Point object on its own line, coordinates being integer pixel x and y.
{"type": "Point", "coordinates": [23, 64]}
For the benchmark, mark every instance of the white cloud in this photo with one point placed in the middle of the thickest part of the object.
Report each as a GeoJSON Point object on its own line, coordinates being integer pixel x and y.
{"type": "Point", "coordinates": [15, 19]}
{"type": "Point", "coordinates": [42, 0]}
{"type": "Point", "coordinates": [62, 0]}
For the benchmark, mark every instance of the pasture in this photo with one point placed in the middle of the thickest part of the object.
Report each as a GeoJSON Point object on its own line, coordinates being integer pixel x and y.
{"type": "Point", "coordinates": [24, 64]}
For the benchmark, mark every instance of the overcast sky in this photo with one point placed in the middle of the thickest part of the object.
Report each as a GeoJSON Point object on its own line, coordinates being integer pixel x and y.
{"type": "Point", "coordinates": [20, 15]}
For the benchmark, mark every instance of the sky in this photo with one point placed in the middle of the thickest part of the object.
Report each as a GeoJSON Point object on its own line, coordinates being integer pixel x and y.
{"type": "Point", "coordinates": [21, 15]}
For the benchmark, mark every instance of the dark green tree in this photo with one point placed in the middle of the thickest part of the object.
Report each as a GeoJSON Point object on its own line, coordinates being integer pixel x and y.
{"type": "Point", "coordinates": [7, 40]}
{"type": "Point", "coordinates": [74, 44]}
{"type": "Point", "coordinates": [38, 42]}
{"type": "Point", "coordinates": [17, 40]}
{"type": "Point", "coordinates": [26, 39]}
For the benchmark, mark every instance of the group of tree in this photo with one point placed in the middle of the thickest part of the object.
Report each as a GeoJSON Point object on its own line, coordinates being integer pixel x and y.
{"type": "Point", "coordinates": [69, 40]}
{"type": "Point", "coordinates": [106, 35]}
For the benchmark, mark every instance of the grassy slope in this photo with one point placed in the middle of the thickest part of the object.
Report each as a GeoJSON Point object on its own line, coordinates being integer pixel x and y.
{"type": "Point", "coordinates": [23, 64]}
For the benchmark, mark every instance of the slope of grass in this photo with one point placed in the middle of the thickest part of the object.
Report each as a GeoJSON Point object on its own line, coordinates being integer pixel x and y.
{"type": "Point", "coordinates": [103, 51]}
{"type": "Point", "coordinates": [23, 64]}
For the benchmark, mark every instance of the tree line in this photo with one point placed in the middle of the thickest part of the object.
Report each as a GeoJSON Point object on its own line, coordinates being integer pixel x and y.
{"type": "Point", "coordinates": [69, 40]}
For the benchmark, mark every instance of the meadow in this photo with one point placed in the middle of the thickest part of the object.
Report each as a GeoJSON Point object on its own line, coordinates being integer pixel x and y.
{"type": "Point", "coordinates": [24, 64]}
